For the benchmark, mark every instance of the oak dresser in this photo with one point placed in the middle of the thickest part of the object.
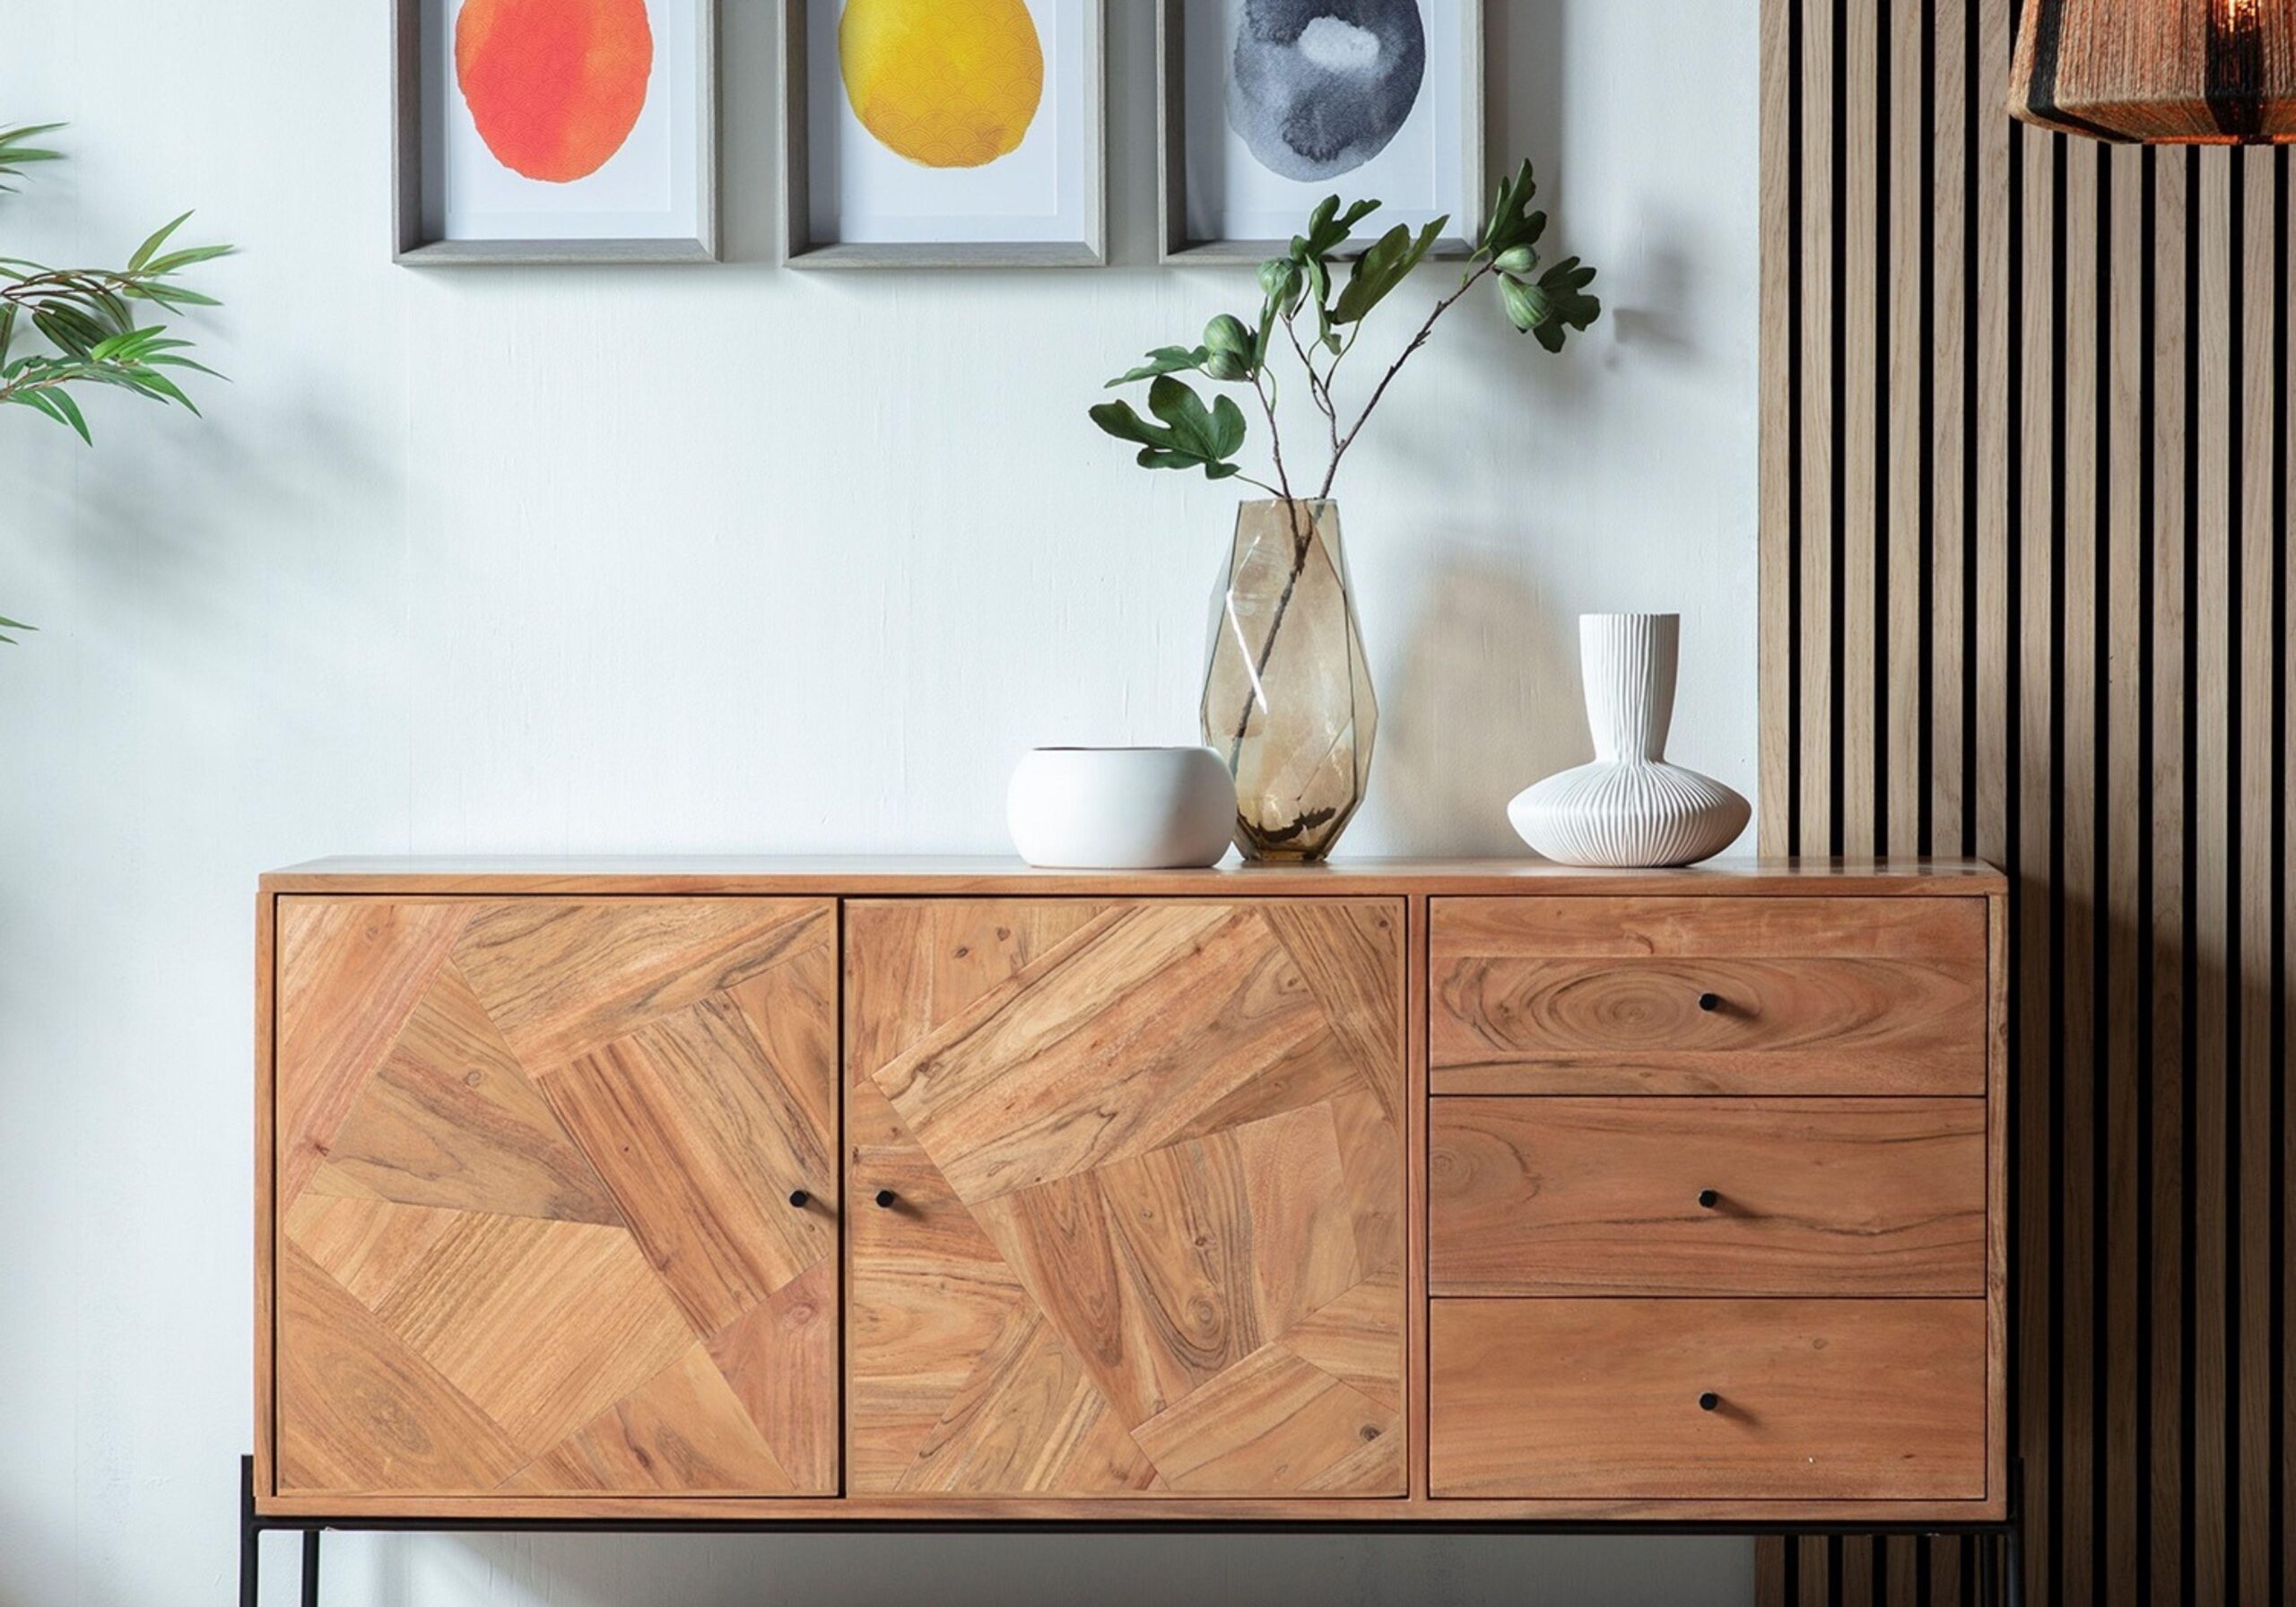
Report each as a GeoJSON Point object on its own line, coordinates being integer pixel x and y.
{"type": "Point", "coordinates": [888, 1191]}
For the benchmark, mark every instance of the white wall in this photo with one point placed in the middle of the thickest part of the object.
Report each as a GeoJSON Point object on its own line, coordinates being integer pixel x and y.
{"type": "Point", "coordinates": [730, 559]}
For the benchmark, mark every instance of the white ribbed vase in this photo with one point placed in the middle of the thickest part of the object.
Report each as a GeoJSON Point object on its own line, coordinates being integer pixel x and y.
{"type": "Point", "coordinates": [1630, 807]}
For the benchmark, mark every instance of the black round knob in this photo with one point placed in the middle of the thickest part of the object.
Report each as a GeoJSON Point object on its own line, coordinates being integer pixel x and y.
{"type": "Point", "coordinates": [799, 1198]}
{"type": "Point", "coordinates": [1708, 1198]}
{"type": "Point", "coordinates": [1709, 1400]}
{"type": "Point", "coordinates": [885, 1198]}
{"type": "Point", "coordinates": [1709, 1002]}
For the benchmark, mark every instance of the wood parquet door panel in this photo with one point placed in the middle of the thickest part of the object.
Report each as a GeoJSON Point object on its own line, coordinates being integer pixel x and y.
{"type": "Point", "coordinates": [1146, 1178]}
{"type": "Point", "coordinates": [539, 1171]}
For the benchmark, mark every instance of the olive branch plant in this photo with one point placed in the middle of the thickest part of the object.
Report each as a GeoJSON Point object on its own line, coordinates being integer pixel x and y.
{"type": "Point", "coordinates": [104, 327]}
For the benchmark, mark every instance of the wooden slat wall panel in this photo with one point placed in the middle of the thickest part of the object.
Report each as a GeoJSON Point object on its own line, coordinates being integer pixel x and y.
{"type": "Point", "coordinates": [2026, 481]}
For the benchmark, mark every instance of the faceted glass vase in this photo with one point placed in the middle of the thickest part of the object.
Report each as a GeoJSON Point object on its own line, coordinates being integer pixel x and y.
{"type": "Point", "coordinates": [1287, 693]}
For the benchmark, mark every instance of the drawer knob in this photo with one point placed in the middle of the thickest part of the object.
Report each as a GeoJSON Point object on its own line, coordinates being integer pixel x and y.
{"type": "Point", "coordinates": [1708, 1198]}
{"type": "Point", "coordinates": [1709, 1402]}
{"type": "Point", "coordinates": [799, 1198]}
{"type": "Point", "coordinates": [1709, 1002]}
{"type": "Point", "coordinates": [885, 1199]}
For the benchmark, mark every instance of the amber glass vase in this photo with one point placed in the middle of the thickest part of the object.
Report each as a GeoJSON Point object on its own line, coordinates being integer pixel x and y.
{"type": "Point", "coordinates": [1287, 694]}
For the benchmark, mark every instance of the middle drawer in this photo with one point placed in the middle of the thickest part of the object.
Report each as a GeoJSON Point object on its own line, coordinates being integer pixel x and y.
{"type": "Point", "coordinates": [1705, 1196]}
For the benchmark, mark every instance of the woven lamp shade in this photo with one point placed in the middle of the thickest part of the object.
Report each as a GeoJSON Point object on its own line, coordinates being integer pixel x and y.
{"type": "Point", "coordinates": [2157, 71]}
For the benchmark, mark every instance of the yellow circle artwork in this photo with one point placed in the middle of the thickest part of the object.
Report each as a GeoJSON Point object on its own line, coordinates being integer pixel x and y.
{"type": "Point", "coordinates": [947, 84]}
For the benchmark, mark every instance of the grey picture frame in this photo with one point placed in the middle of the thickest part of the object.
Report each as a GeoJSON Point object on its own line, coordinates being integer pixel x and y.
{"type": "Point", "coordinates": [1175, 245]}
{"type": "Point", "coordinates": [416, 106]}
{"type": "Point", "coordinates": [799, 250]}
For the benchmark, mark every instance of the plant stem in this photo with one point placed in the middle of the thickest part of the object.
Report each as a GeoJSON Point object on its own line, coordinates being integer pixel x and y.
{"type": "Point", "coordinates": [1339, 449]}
{"type": "Point", "coordinates": [1302, 529]}
{"type": "Point", "coordinates": [1319, 387]}
{"type": "Point", "coordinates": [1274, 437]}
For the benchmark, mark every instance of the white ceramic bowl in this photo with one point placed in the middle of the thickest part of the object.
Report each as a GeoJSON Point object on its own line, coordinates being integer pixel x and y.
{"type": "Point", "coordinates": [1130, 809]}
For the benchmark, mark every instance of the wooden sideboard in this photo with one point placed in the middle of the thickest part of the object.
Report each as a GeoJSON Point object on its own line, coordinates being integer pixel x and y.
{"type": "Point", "coordinates": [921, 1190]}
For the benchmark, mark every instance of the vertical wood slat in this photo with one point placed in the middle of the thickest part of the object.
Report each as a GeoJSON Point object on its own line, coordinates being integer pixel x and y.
{"type": "Point", "coordinates": [2122, 802]}
{"type": "Point", "coordinates": [2254, 742]}
{"type": "Point", "coordinates": [2170, 546]}
{"type": "Point", "coordinates": [2076, 1002]}
{"type": "Point", "coordinates": [1898, 808]}
{"type": "Point", "coordinates": [1949, 345]}
{"type": "Point", "coordinates": [2210, 617]}
{"type": "Point", "coordinates": [1861, 518]}
{"type": "Point", "coordinates": [2035, 310]}
{"type": "Point", "coordinates": [2283, 1553]}
{"type": "Point", "coordinates": [1811, 828]}
{"type": "Point", "coordinates": [2068, 412]}
{"type": "Point", "coordinates": [1778, 423]}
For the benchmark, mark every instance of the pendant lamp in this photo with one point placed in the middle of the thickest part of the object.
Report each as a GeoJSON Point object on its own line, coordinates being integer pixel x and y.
{"type": "Point", "coordinates": [2157, 71]}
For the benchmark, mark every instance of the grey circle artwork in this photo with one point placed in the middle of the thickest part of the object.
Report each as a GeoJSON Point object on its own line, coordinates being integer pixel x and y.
{"type": "Point", "coordinates": [1318, 87]}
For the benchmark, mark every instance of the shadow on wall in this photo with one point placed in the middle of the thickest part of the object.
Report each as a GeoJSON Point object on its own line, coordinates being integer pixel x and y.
{"type": "Point", "coordinates": [1105, 1570]}
{"type": "Point", "coordinates": [1484, 641]}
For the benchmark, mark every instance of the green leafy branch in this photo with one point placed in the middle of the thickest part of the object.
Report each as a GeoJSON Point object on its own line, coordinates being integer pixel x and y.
{"type": "Point", "coordinates": [103, 326]}
{"type": "Point", "coordinates": [1302, 287]}
{"type": "Point", "coordinates": [99, 322]}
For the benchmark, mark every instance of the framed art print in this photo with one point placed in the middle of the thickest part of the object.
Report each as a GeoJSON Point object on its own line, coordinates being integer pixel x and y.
{"type": "Point", "coordinates": [1265, 107]}
{"type": "Point", "coordinates": [944, 134]}
{"type": "Point", "coordinates": [556, 130]}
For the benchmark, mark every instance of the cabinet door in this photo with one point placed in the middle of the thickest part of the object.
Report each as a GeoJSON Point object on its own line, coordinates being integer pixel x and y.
{"type": "Point", "coordinates": [556, 1197]}
{"type": "Point", "coordinates": [1143, 1207]}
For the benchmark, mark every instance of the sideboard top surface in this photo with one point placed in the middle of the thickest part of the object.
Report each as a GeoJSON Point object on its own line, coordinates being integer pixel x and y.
{"type": "Point", "coordinates": [895, 875]}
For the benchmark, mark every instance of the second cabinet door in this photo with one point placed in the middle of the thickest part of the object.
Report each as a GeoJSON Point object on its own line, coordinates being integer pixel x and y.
{"type": "Point", "coordinates": [1128, 1193]}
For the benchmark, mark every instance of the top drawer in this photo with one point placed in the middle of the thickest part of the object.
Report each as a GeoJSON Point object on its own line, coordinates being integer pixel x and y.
{"type": "Point", "coordinates": [1708, 996]}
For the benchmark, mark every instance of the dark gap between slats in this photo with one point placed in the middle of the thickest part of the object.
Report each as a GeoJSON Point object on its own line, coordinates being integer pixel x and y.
{"type": "Point", "coordinates": [2235, 533]}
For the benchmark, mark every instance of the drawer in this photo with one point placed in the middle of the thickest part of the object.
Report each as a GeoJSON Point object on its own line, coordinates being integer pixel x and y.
{"type": "Point", "coordinates": [1810, 1400]}
{"type": "Point", "coordinates": [1705, 1196]}
{"type": "Point", "coordinates": [1751, 995]}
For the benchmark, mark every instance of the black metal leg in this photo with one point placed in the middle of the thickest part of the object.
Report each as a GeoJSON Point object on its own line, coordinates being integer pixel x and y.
{"type": "Point", "coordinates": [310, 1567]}
{"type": "Point", "coordinates": [2014, 1546]}
{"type": "Point", "coordinates": [251, 1534]}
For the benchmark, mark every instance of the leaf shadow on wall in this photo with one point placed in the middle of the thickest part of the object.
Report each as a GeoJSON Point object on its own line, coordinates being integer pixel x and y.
{"type": "Point", "coordinates": [1485, 641]}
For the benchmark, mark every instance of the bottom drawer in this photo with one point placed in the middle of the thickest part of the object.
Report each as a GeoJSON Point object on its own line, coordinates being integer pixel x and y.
{"type": "Point", "coordinates": [1699, 1400]}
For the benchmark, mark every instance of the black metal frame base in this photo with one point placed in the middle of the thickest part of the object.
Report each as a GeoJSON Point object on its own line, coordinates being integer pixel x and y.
{"type": "Point", "coordinates": [2000, 1579]}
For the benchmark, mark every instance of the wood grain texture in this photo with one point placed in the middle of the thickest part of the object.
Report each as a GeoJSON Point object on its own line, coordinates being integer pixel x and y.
{"type": "Point", "coordinates": [1134, 1148]}
{"type": "Point", "coordinates": [1872, 1197]}
{"type": "Point", "coordinates": [1816, 1398]}
{"type": "Point", "coordinates": [2102, 677]}
{"type": "Point", "coordinates": [540, 1229]}
{"type": "Point", "coordinates": [1678, 995]}
{"type": "Point", "coordinates": [862, 878]}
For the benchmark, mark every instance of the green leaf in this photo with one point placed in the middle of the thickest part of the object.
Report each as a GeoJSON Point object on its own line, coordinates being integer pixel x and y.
{"type": "Point", "coordinates": [7, 624]}
{"type": "Point", "coordinates": [1508, 223]}
{"type": "Point", "coordinates": [1561, 302]}
{"type": "Point", "coordinates": [1190, 437]}
{"type": "Point", "coordinates": [1165, 360]}
{"type": "Point", "coordinates": [1228, 429]}
{"type": "Point", "coordinates": [1179, 407]}
{"type": "Point", "coordinates": [1119, 420]}
{"type": "Point", "coordinates": [159, 236]}
{"type": "Point", "coordinates": [70, 410]}
{"type": "Point", "coordinates": [1387, 264]}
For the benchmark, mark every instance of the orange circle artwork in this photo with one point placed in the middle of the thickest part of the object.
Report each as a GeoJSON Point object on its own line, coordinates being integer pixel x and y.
{"type": "Point", "coordinates": [555, 86]}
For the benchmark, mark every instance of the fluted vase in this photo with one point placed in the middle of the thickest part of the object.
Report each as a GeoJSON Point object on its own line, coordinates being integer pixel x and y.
{"type": "Point", "coordinates": [1288, 702]}
{"type": "Point", "coordinates": [1630, 807]}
